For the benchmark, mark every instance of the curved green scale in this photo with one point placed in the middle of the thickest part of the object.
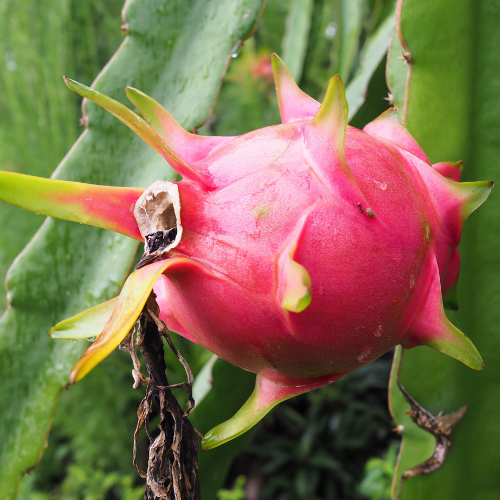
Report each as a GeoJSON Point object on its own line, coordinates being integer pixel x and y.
{"type": "Point", "coordinates": [84, 325]}
{"type": "Point", "coordinates": [189, 147]}
{"type": "Point", "coordinates": [243, 420]}
{"type": "Point", "coordinates": [266, 395]}
{"type": "Point", "coordinates": [128, 307]}
{"type": "Point", "coordinates": [473, 194]}
{"type": "Point", "coordinates": [139, 126]}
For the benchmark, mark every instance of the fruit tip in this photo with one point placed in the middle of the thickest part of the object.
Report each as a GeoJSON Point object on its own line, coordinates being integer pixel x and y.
{"type": "Point", "coordinates": [277, 65]}
{"type": "Point", "coordinates": [334, 106]}
{"type": "Point", "coordinates": [73, 84]}
{"type": "Point", "coordinates": [67, 81]}
{"type": "Point", "coordinates": [393, 111]}
{"type": "Point", "coordinates": [128, 89]}
{"type": "Point", "coordinates": [391, 114]}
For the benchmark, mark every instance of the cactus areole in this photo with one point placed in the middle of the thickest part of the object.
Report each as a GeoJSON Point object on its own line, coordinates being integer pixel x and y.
{"type": "Point", "coordinates": [299, 252]}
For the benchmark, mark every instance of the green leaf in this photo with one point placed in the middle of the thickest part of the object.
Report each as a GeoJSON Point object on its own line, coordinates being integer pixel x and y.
{"type": "Point", "coordinates": [372, 54]}
{"type": "Point", "coordinates": [176, 52]}
{"type": "Point", "coordinates": [351, 20]}
{"type": "Point", "coordinates": [294, 43]}
{"type": "Point", "coordinates": [203, 382]}
{"type": "Point", "coordinates": [453, 111]}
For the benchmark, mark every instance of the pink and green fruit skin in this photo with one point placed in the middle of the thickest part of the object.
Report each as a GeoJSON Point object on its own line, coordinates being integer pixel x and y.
{"type": "Point", "coordinates": [308, 248]}
{"type": "Point", "coordinates": [282, 196]}
{"type": "Point", "coordinates": [370, 277]}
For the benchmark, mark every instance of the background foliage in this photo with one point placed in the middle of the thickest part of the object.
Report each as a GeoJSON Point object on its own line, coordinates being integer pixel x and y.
{"type": "Point", "coordinates": [40, 42]}
{"type": "Point", "coordinates": [333, 443]}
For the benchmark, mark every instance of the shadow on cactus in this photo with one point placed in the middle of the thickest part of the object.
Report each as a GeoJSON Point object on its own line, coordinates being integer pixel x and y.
{"type": "Point", "coordinates": [299, 252]}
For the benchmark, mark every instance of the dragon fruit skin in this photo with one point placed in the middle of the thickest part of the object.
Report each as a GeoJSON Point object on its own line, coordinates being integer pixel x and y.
{"type": "Point", "coordinates": [284, 200]}
{"type": "Point", "coordinates": [308, 248]}
{"type": "Point", "coordinates": [367, 275]}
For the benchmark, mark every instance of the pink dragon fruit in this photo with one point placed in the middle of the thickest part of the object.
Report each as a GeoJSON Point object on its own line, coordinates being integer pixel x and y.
{"type": "Point", "coordinates": [299, 252]}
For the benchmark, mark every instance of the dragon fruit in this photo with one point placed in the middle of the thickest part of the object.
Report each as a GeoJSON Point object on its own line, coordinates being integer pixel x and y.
{"type": "Point", "coordinates": [299, 252]}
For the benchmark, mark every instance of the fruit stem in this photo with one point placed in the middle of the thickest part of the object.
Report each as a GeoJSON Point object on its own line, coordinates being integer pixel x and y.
{"type": "Point", "coordinates": [172, 471]}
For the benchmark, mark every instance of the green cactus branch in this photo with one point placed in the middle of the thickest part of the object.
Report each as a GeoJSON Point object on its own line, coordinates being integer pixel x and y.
{"type": "Point", "coordinates": [452, 109]}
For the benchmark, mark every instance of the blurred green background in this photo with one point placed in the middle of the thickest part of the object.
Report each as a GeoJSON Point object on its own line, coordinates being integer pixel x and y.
{"type": "Point", "coordinates": [333, 443]}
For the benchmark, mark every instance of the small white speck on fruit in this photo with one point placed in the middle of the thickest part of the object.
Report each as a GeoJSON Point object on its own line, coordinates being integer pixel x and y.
{"type": "Point", "coordinates": [381, 185]}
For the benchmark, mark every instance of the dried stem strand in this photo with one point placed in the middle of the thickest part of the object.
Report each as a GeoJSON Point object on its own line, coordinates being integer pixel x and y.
{"type": "Point", "coordinates": [172, 471]}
